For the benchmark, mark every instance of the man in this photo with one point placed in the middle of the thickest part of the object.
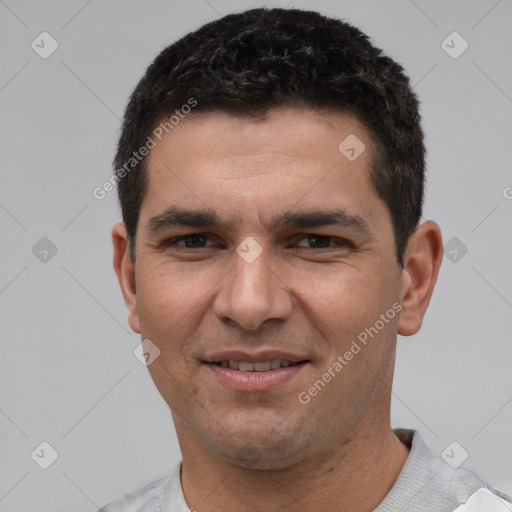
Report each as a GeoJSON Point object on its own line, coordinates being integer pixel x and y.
{"type": "Point", "coordinates": [270, 173]}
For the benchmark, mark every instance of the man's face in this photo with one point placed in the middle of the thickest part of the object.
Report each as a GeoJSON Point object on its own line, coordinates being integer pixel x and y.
{"type": "Point", "coordinates": [315, 266]}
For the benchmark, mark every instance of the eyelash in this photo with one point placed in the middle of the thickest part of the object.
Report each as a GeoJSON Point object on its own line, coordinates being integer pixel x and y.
{"type": "Point", "coordinates": [341, 242]}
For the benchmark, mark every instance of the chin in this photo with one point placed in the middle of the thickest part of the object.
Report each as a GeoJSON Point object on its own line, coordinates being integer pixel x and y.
{"type": "Point", "coordinates": [253, 457]}
{"type": "Point", "coordinates": [263, 449]}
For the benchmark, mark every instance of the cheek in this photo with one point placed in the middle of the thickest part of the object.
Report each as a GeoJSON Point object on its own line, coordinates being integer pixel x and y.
{"type": "Point", "coordinates": [344, 301]}
{"type": "Point", "coordinates": [171, 304]}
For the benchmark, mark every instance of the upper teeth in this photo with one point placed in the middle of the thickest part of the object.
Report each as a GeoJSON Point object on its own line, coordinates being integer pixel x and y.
{"type": "Point", "coordinates": [263, 366]}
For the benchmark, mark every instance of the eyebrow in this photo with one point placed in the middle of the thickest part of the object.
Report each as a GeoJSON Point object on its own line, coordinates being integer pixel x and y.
{"type": "Point", "coordinates": [203, 218]}
{"type": "Point", "coordinates": [175, 216]}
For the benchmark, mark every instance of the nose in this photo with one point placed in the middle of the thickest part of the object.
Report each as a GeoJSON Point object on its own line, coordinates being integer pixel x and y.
{"type": "Point", "coordinates": [252, 293]}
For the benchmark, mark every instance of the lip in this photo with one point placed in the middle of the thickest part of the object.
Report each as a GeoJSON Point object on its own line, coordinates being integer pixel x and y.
{"type": "Point", "coordinates": [237, 380]}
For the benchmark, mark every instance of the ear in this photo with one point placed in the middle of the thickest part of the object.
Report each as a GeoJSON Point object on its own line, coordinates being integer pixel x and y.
{"type": "Point", "coordinates": [422, 260]}
{"type": "Point", "coordinates": [125, 271]}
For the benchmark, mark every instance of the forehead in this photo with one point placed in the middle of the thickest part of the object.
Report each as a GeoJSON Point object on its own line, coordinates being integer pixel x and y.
{"type": "Point", "coordinates": [216, 159]}
{"type": "Point", "coordinates": [304, 133]}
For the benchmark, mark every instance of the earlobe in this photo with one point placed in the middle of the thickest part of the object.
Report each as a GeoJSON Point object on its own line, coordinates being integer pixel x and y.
{"type": "Point", "coordinates": [125, 271]}
{"type": "Point", "coordinates": [422, 260]}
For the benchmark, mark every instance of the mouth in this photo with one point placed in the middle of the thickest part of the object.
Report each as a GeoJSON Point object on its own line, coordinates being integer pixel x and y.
{"type": "Point", "coordinates": [258, 374]}
{"type": "Point", "coordinates": [259, 366]}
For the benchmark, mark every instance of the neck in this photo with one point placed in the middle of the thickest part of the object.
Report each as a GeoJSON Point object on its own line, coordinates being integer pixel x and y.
{"type": "Point", "coordinates": [354, 476]}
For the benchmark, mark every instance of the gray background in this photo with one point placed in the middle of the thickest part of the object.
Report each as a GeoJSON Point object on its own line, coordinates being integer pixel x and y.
{"type": "Point", "coordinates": [68, 375]}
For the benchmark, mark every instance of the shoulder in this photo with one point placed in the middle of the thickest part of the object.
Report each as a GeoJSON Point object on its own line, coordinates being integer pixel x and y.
{"type": "Point", "coordinates": [486, 499]}
{"type": "Point", "coordinates": [429, 484]}
{"type": "Point", "coordinates": [145, 499]}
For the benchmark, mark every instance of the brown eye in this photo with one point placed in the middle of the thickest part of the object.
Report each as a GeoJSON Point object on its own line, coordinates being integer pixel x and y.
{"type": "Point", "coordinates": [192, 241]}
{"type": "Point", "coordinates": [313, 241]}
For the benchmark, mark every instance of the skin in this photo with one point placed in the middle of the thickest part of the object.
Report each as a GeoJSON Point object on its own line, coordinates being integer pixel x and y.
{"type": "Point", "coordinates": [264, 450]}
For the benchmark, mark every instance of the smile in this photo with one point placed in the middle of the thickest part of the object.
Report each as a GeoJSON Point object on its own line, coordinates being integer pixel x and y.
{"type": "Point", "coordinates": [262, 366]}
{"type": "Point", "coordinates": [255, 376]}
